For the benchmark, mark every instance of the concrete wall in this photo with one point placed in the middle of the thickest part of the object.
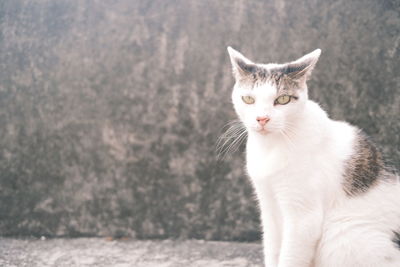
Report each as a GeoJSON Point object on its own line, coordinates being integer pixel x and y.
{"type": "Point", "coordinates": [110, 110]}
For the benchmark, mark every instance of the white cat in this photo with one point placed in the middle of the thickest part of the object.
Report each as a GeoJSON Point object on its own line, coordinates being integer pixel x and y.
{"type": "Point", "coordinates": [326, 197]}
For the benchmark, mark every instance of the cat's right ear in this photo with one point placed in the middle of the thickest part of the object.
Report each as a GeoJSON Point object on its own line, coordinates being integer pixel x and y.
{"type": "Point", "coordinates": [242, 67]}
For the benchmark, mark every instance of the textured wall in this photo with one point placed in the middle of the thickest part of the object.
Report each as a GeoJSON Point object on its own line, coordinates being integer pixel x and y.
{"type": "Point", "coordinates": [110, 110]}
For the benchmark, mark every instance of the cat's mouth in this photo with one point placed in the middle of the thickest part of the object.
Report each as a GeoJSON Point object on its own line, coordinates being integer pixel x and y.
{"type": "Point", "coordinates": [262, 131]}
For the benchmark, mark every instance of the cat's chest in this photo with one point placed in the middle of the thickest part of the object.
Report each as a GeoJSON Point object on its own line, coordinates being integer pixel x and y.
{"type": "Point", "coordinates": [263, 163]}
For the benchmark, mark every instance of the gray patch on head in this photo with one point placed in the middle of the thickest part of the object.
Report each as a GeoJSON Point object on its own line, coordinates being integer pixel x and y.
{"type": "Point", "coordinates": [246, 67]}
{"type": "Point", "coordinates": [251, 74]}
{"type": "Point", "coordinates": [286, 85]}
{"type": "Point", "coordinates": [364, 168]}
{"type": "Point", "coordinates": [277, 77]}
{"type": "Point", "coordinates": [295, 68]}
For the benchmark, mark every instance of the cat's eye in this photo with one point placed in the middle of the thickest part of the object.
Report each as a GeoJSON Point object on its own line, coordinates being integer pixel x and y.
{"type": "Point", "coordinates": [248, 99]}
{"type": "Point", "coordinates": [283, 100]}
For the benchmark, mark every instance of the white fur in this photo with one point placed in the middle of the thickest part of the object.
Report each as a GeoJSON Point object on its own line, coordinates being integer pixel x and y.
{"type": "Point", "coordinates": [297, 172]}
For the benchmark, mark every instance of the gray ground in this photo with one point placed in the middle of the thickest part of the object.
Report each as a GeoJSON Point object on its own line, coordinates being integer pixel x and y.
{"type": "Point", "coordinates": [103, 252]}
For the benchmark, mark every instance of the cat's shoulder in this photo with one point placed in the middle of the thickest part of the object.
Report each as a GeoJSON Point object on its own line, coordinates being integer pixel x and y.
{"type": "Point", "coordinates": [366, 166]}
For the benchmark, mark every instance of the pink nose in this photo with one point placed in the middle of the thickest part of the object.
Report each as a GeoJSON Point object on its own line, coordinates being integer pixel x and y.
{"type": "Point", "coordinates": [262, 120]}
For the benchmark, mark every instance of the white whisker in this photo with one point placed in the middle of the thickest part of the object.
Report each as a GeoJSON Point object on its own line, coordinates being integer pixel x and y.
{"type": "Point", "coordinates": [231, 139]}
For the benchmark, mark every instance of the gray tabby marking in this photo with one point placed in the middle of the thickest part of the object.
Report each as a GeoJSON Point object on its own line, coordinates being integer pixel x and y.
{"type": "Point", "coordinates": [279, 77]}
{"type": "Point", "coordinates": [396, 239]}
{"type": "Point", "coordinates": [364, 168]}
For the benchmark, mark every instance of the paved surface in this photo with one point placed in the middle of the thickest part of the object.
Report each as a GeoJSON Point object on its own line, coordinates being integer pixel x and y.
{"type": "Point", "coordinates": [102, 252]}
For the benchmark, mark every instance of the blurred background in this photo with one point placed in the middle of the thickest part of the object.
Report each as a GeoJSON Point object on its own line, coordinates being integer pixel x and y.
{"type": "Point", "coordinates": [110, 110]}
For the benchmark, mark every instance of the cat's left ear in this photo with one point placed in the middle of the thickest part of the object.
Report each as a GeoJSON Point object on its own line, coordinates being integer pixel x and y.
{"type": "Point", "coordinates": [301, 68]}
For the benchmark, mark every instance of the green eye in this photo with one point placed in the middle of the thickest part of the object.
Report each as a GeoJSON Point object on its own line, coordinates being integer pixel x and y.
{"type": "Point", "coordinates": [248, 99]}
{"type": "Point", "coordinates": [283, 99]}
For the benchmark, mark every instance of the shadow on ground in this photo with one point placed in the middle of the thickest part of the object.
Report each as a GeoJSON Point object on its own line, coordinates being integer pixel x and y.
{"type": "Point", "coordinates": [101, 252]}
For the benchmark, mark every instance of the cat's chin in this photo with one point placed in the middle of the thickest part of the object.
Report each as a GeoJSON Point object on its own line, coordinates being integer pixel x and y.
{"type": "Point", "coordinates": [262, 131]}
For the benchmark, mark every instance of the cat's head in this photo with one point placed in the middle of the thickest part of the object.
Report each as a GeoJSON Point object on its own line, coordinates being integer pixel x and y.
{"type": "Point", "coordinates": [269, 98]}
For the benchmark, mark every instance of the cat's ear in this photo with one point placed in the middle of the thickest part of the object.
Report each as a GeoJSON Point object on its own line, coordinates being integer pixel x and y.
{"type": "Point", "coordinates": [242, 67]}
{"type": "Point", "coordinates": [301, 68]}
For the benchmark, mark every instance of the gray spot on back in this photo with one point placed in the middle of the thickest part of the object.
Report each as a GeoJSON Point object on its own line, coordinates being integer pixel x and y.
{"type": "Point", "coordinates": [396, 239]}
{"type": "Point", "coordinates": [364, 168]}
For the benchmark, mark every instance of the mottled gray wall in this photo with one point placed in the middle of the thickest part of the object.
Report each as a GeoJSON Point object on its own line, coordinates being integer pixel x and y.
{"type": "Point", "coordinates": [109, 110]}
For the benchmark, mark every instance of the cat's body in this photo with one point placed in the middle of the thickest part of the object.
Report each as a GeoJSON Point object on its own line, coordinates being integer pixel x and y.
{"type": "Point", "coordinates": [326, 198]}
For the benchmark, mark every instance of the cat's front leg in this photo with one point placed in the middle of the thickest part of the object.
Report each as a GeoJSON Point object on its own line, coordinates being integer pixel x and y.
{"type": "Point", "coordinates": [301, 232]}
{"type": "Point", "coordinates": [271, 240]}
{"type": "Point", "coordinates": [271, 224]}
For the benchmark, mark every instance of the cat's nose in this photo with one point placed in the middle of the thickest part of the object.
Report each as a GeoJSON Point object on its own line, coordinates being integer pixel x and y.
{"type": "Point", "coordinates": [262, 120]}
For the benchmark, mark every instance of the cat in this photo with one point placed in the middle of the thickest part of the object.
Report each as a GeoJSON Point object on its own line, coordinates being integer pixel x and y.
{"type": "Point", "coordinates": [326, 197]}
